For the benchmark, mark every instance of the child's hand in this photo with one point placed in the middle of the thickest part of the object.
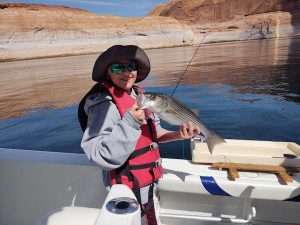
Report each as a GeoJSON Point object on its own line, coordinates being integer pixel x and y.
{"type": "Point", "coordinates": [138, 114]}
{"type": "Point", "coordinates": [188, 130]}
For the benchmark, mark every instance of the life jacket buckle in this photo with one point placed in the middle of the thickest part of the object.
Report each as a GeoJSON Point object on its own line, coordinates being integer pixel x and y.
{"type": "Point", "coordinates": [153, 145]}
{"type": "Point", "coordinates": [158, 163]}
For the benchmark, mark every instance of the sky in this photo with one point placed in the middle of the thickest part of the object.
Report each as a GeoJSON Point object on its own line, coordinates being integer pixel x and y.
{"type": "Point", "coordinates": [129, 8]}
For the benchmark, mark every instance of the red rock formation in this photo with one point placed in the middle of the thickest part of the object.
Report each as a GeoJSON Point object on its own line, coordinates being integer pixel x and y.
{"type": "Point", "coordinates": [211, 11]}
{"type": "Point", "coordinates": [231, 20]}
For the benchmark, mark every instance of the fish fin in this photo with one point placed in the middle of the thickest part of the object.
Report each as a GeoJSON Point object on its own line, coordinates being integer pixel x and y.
{"type": "Point", "coordinates": [212, 140]}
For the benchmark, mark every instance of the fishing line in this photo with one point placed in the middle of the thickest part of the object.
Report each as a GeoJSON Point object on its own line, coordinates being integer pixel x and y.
{"type": "Point", "coordinates": [186, 69]}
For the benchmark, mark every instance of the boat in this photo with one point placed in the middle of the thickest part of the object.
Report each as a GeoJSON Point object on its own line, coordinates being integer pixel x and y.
{"type": "Point", "coordinates": [52, 188]}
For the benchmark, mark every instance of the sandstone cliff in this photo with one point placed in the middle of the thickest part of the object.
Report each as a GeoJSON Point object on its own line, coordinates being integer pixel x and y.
{"type": "Point", "coordinates": [30, 31]}
{"type": "Point", "coordinates": [230, 20]}
{"type": "Point", "coordinates": [210, 11]}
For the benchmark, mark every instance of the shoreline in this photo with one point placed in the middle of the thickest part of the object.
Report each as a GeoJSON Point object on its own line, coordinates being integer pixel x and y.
{"type": "Point", "coordinates": [79, 54]}
{"type": "Point", "coordinates": [149, 48]}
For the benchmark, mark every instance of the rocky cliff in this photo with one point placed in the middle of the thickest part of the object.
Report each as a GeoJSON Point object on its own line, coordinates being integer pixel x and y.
{"type": "Point", "coordinates": [30, 31]}
{"type": "Point", "coordinates": [230, 20]}
{"type": "Point", "coordinates": [211, 11]}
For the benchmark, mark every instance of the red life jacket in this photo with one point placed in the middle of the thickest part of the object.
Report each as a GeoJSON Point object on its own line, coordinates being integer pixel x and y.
{"type": "Point", "coordinates": [143, 167]}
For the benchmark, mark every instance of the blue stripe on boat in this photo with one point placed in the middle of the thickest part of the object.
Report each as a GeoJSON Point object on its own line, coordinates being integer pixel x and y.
{"type": "Point", "coordinates": [212, 187]}
{"type": "Point", "coordinates": [294, 199]}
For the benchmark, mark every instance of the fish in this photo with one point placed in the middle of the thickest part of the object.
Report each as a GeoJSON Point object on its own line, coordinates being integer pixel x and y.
{"type": "Point", "coordinates": [176, 113]}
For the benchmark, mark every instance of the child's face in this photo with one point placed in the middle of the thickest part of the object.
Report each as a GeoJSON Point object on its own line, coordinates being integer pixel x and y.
{"type": "Point", "coordinates": [123, 74]}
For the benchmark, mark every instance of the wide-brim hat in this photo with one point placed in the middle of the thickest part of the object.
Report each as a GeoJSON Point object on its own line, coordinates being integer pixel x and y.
{"type": "Point", "coordinates": [119, 53]}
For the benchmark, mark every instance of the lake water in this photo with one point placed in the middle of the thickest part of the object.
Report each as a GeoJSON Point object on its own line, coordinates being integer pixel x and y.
{"type": "Point", "coordinates": [241, 90]}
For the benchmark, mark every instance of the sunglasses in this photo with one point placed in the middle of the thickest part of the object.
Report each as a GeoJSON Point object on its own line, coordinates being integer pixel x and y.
{"type": "Point", "coordinates": [121, 67]}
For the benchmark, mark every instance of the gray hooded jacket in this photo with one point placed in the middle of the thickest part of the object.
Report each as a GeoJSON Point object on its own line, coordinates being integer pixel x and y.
{"type": "Point", "coordinates": [109, 139]}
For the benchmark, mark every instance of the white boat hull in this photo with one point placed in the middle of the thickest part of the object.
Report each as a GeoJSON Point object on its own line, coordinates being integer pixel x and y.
{"type": "Point", "coordinates": [36, 184]}
{"type": "Point", "coordinates": [199, 194]}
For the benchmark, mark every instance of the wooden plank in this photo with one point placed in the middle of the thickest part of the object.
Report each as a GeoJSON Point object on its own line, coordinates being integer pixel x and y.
{"type": "Point", "coordinates": [249, 167]}
{"type": "Point", "coordinates": [233, 169]}
{"type": "Point", "coordinates": [285, 177]}
{"type": "Point", "coordinates": [233, 173]}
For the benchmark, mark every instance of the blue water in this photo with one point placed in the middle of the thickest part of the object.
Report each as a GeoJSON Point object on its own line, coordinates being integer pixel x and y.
{"type": "Point", "coordinates": [231, 114]}
{"type": "Point", "coordinates": [241, 90]}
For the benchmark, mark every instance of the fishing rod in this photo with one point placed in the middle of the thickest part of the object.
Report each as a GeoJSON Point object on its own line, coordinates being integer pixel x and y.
{"type": "Point", "coordinates": [179, 81]}
{"type": "Point", "coordinates": [186, 69]}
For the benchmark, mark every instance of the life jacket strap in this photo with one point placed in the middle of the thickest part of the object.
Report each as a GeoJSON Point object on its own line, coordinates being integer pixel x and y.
{"type": "Point", "coordinates": [139, 152]}
{"type": "Point", "coordinates": [145, 166]}
{"type": "Point", "coordinates": [147, 205]}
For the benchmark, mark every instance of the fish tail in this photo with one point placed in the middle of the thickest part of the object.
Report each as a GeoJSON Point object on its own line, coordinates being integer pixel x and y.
{"type": "Point", "coordinates": [213, 140]}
